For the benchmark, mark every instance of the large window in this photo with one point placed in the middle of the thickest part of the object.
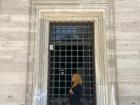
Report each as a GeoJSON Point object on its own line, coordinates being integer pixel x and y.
{"type": "Point", "coordinates": [71, 50]}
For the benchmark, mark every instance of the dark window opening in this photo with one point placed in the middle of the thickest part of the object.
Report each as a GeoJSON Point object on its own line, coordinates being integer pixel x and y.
{"type": "Point", "coordinates": [71, 50]}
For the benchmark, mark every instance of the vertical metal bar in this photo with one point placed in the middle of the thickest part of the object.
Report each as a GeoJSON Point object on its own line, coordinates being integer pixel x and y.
{"type": "Point", "coordinates": [59, 82]}
{"type": "Point", "coordinates": [65, 64]}
{"type": "Point", "coordinates": [54, 63]}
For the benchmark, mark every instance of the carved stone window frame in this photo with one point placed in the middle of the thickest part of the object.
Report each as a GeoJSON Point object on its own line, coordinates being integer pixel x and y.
{"type": "Point", "coordinates": [105, 48]}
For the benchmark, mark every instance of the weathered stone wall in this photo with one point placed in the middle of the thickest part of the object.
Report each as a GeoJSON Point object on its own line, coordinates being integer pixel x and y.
{"type": "Point", "coordinates": [14, 20]}
{"type": "Point", "coordinates": [127, 14]}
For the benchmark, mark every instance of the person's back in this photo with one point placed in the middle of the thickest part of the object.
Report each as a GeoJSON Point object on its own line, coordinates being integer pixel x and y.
{"type": "Point", "coordinates": [76, 90]}
{"type": "Point", "coordinates": [75, 98]}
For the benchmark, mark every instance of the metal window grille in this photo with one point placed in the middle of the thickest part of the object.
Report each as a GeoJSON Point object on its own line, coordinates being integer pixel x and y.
{"type": "Point", "coordinates": [71, 50]}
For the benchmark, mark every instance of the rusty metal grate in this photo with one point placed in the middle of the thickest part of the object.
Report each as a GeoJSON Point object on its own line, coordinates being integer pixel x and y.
{"type": "Point", "coordinates": [71, 49]}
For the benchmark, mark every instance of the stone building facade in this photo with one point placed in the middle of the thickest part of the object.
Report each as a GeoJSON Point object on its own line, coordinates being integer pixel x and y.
{"type": "Point", "coordinates": [24, 47]}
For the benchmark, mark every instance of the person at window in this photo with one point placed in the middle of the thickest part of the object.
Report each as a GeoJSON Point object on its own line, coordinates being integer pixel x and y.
{"type": "Point", "coordinates": [76, 90]}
